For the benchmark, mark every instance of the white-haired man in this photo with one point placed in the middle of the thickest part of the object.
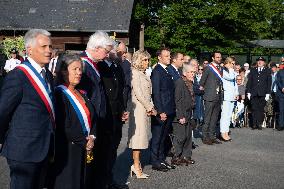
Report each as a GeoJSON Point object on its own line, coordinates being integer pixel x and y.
{"type": "Point", "coordinates": [98, 48]}
{"type": "Point", "coordinates": [27, 114]}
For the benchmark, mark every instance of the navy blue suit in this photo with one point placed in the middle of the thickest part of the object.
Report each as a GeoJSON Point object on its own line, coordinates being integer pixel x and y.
{"type": "Point", "coordinates": [26, 129]}
{"type": "Point", "coordinates": [259, 84]}
{"type": "Point", "coordinates": [280, 95]}
{"type": "Point", "coordinates": [173, 72]}
{"type": "Point", "coordinates": [163, 90]}
{"type": "Point", "coordinates": [91, 82]}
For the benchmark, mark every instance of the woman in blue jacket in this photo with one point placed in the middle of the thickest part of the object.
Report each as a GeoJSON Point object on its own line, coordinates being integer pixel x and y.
{"type": "Point", "coordinates": [230, 96]}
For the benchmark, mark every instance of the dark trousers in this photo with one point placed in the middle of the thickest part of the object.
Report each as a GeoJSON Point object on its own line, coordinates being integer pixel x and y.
{"type": "Point", "coordinates": [211, 115]}
{"type": "Point", "coordinates": [27, 175]}
{"type": "Point", "coordinates": [257, 105]}
{"type": "Point", "coordinates": [160, 130]}
{"type": "Point", "coordinates": [109, 133]}
{"type": "Point", "coordinates": [281, 112]}
{"type": "Point", "coordinates": [182, 140]}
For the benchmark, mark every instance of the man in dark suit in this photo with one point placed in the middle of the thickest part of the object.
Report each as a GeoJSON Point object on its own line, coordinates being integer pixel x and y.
{"type": "Point", "coordinates": [258, 91]}
{"type": "Point", "coordinates": [27, 114]}
{"type": "Point", "coordinates": [126, 67]}
{"type": "Point", "coordinates": [174, 70]}
{"type": "Point", "coordinates": [113, 83]}
{"type": "Point", "coordinates": [211, 83]}
{"type": "Point", "coordinates": [280, 95]}
{"type": "Point", "coordinates": [98, 47]}
{"type": "Point", "coordinates": [164, 102]}
{"type": "Point", "coordinates": [175, 66]}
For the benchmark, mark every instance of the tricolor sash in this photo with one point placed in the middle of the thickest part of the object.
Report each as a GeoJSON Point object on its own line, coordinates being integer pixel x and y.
{"type": "Point", "coordinates": [216, 71]}
{"type": "Point", "coordinates": [91, 63]}
{"type": "Point", "coordinates": [40, 86]}
{"type": "Point", "coordinates": [81, 109]}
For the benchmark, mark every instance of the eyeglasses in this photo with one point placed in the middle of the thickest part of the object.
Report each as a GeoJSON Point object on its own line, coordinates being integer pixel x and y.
{"type": "Point", "coordinates": [201, 69]}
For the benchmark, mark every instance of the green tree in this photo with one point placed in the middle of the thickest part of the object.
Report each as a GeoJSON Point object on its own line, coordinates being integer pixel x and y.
{"type": "Point", "coordinates": [10, 43]}
{"type": "Point", "coordinates": [196, 25]}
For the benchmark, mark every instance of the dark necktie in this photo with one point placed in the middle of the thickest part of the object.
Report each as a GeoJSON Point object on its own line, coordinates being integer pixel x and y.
{"type": "Point", "coordinates": [43, 73]}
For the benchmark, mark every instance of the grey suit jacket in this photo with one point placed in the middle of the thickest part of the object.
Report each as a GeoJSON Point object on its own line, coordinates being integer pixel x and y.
{"type": "Point", "coordinates": [183, 100]}
{"type": "Point", "coordinates": [211, 84]}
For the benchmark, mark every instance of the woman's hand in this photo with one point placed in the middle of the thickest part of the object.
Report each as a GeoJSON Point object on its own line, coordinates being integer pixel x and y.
{"type": "Point", "coordinates": [154, 112]}
{"type": "Point", "coordinates": [90, 143]}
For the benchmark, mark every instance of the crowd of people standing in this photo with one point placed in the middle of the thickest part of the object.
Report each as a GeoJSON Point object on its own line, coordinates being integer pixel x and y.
{"type": "Point", "coordinates": [62, 116]}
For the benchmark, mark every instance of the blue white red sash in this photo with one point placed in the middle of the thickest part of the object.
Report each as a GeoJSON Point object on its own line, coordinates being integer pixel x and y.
{"type": "Point", "coordinates": [91, 63]}
{"type": "Point", "coordinates": [40, 86]}
{"type": "Point", "coordinates": [216, 71]}
{"type": "Point", "coordinates": [83, 117]}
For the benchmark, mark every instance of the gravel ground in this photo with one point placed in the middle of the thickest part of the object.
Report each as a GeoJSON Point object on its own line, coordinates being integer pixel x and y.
{"type": "Point", "coordinates": [254, 159]}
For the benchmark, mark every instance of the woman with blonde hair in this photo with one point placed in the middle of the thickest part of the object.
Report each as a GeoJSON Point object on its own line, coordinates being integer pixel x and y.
{"type": "Point", "coordinates": [141, 109]}
{"type": "Point", "coordinates": [230, 96]}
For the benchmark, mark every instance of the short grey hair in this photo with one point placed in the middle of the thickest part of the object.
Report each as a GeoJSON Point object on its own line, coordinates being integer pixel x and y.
{"type": "Point", "coordinates": [187, 67]}
{"type": "Point", "coordinates": [192, 61]}
{"type": "Point", "coordinates": [99, 39]}
{"type": "Point", "coordinates": [31, 35]}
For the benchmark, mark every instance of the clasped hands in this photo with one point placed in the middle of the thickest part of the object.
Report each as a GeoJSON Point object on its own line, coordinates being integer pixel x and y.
{"type": "Point", "coordinates": [152, 112]}
{"type": "Point", "coordinates": [90, 143]}
{"type": "Point", "coordinates": [182, 120]}
{"type": "Point", "coordinates": [125, 116]}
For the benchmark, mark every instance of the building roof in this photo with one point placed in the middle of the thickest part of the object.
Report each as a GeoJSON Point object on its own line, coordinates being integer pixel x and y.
{"type": "Point", "coordinates": [272, 44]}
{"type": "Point", "coordinates": [66, 15]}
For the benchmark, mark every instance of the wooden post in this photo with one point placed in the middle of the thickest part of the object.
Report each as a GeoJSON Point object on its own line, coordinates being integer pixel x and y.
{"type": "Point", "coordinates": [141, 37]}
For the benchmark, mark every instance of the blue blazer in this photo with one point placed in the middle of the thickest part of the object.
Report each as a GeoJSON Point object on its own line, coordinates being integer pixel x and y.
{"type": "Point", "coordinates": [26, 127]}
{"type": "Point", "coordinates": [163, 90]}
{"type": "Point", "coordinates": [280, 83]}
{"type": "Point", "coordinates": [173, 72]}
{"type": "Point", "coordinates": [92, 84]}
{"type": "Point", "coordinates": [229, 85]}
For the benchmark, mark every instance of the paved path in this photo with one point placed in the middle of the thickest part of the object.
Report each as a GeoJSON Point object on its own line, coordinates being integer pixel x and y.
{"type": "Point", "coordinates": [255, 159]}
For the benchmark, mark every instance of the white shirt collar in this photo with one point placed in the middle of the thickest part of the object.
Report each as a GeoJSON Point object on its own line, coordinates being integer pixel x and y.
{"type": "Point", "coordinates": [89, 56]}
{"type": "Point", "coordinates": [175, 67]}
{"type": "Point", "coordinates": [108, 62]}
{"type": "Point", "coordinates": [215, 64]}
{"type": "Point", "coordinates": [164, 66]}
{"type": "Point", "coordinates": [35, 65]}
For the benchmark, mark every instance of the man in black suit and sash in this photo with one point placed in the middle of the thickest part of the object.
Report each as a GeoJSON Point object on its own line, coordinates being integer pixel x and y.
{"type": "Point", "coordinates": [211, 83]}
{"type": "Point", "coordinates": [27, 114]}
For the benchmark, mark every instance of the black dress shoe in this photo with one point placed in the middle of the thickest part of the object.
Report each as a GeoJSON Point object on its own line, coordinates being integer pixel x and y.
{"type": "Point", "coordinates": [215, 141]}
{"type": "Point", "coordinates": [177, 161]}
{"type": "Point", "coordinates": [207, 141]}
{"type": "Point", "coordinates": [253, 127]}
{"type": "Point", "coordinates": [117, 186]}
{"type": "Point", "coordinates": [188, 161]}
{"type": "Point", "coordinates": [280, 128]}
{"type": "Point", "coordinates": [259, 128]}
{"type": "Point", "coordinates": [161, 168]}
{"type": "Point", "coordinates": [194, 145]}
{"type": "Point", "coordinates": [168, 165]}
